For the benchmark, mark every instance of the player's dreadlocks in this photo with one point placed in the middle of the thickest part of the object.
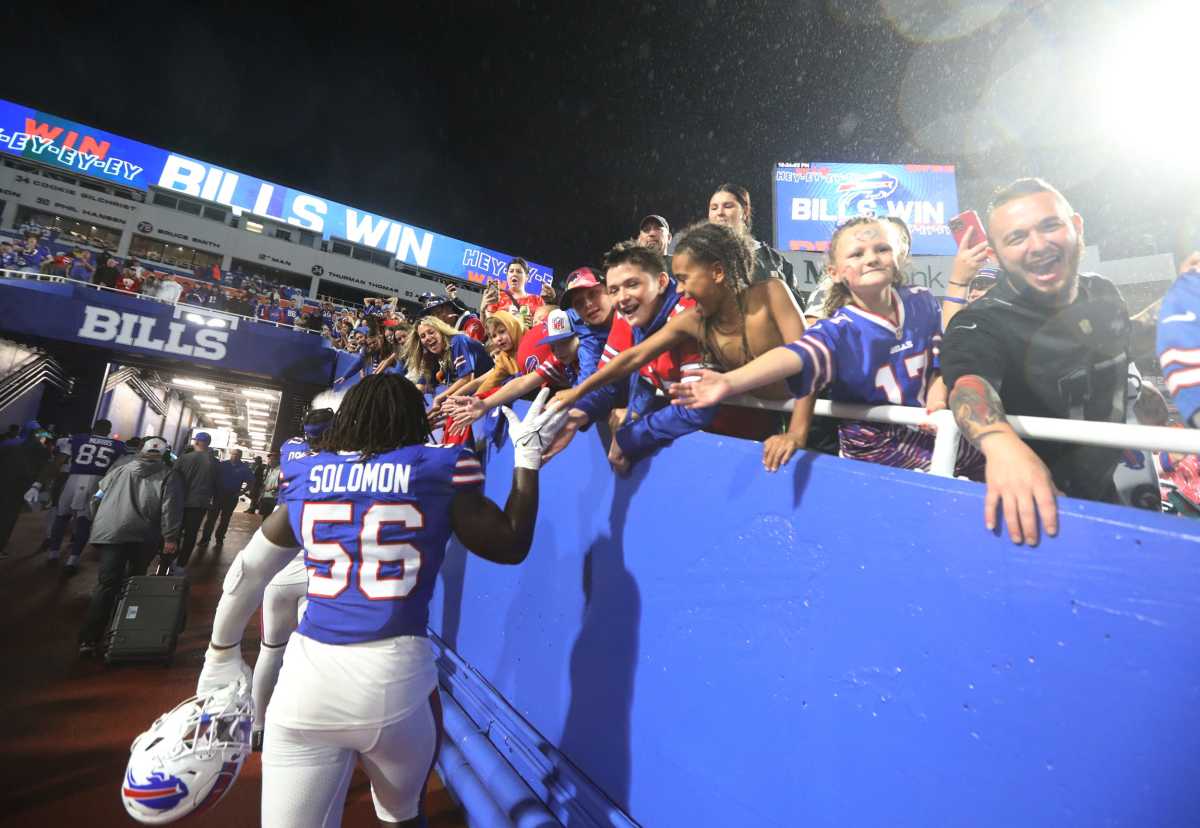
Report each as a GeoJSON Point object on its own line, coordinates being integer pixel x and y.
{"type": "Point", "coordinates": [710, 244]}
{"type": "Point", "coordinates": [380, 413]}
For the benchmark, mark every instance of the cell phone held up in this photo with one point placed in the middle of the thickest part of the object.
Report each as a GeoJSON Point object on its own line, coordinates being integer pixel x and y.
{"type": "Point", "coordinates": [959, 225]}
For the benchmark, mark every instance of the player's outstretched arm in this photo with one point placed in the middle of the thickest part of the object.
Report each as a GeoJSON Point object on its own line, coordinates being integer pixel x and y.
{"type": "Point", "coordinates": [504, 536]}
{"type": "Point", "coordinates": [268, 551]}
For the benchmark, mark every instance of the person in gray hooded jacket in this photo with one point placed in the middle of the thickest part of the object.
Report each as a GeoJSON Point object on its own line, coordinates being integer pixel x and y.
{"type": "Point", "coordinates": [137, 505]}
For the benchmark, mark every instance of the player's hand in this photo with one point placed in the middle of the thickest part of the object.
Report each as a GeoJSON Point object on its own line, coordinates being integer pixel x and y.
{"type": "Point", "coordinates": [222, 668]}
{"type": "Point", "coordinates": [699, 389]}
{"type": "Point", "coordinates": [617, 459]}
{"type": "Point", "coordinates": [533, 434]}
{"type": "Point", "coordinates": [1191, 264]}
{"type": "Point", "coordinates": [1018, 482]}
{"type": "Point", "coordinates": [575, 420]}
{"type": "Point", "coordinates": [778, 450]}
{"type": "Point", "coordinates": [969, 258]}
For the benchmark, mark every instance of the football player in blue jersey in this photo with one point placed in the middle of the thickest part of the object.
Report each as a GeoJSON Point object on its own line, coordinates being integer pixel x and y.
{"type": "Point", "coordinates": [285, 596]}
{"type": "Point", "coordinates": [878, 345]}
{"type": "Point", "coordinates": [91, 456]}
{"type": "Point", "coordinates": [373, 512]}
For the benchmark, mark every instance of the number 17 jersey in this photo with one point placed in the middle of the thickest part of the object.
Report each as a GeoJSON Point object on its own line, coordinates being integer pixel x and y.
{"type": "Point", "coordinates": [374, 534]}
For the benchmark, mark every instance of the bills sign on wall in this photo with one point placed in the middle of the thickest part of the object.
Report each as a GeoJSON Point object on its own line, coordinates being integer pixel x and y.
{"type": "Point", "coordinates": [179, 333]}
{"type": "Point", "coordinates": [48, 139]}
{"type": "Point", "coordinates": [812, 199]}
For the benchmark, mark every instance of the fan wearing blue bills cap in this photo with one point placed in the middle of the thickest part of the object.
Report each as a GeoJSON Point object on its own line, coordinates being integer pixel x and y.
{"type": "Point", "coordinates": [451, 310]}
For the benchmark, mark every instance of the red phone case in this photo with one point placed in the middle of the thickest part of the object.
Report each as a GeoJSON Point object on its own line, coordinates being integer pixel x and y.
{"type": "Point", "coordinates": [960, 223]}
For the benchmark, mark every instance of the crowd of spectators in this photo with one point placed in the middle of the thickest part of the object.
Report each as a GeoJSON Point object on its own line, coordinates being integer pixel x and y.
{"type": "Point", "coordinates": [250, 295]}
{"type": "Point", "coordinates": [652, 346]}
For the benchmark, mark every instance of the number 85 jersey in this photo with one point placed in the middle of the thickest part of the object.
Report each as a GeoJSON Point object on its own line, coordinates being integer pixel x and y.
{"type": "Point", "coordinates": [374, 534]}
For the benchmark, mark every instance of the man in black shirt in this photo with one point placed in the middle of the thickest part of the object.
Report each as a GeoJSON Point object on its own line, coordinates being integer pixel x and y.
{"type": "Point", "coordinates": [1045, 342]}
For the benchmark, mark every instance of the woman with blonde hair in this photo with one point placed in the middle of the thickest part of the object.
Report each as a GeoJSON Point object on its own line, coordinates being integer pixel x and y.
{"type": "Point", "coordinates": [439, 355]}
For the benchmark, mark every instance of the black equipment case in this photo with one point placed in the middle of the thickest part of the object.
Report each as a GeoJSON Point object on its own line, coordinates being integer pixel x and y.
{"type": "Point", "coordinates": [151, 612]}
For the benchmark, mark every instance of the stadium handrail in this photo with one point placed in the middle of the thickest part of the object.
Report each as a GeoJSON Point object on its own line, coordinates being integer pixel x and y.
{"type": "Point", "coordinates": [945, 449]}
{"type": "Point", "coordinates": [201, 309]}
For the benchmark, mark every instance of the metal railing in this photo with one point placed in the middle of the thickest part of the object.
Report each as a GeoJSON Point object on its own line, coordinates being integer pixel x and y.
{"type": "Point", "coordinates": [946, 442]}
{"type": "Point", "coordinates": [199, 310]}
{"type": "Point", "coordinates": [37, 369]}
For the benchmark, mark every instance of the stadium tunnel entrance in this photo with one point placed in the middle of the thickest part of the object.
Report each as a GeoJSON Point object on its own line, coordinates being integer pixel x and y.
{"type": "Point", "coordinates": [69, 387]}
{"type": "Point", "coordinates": [70, 353]}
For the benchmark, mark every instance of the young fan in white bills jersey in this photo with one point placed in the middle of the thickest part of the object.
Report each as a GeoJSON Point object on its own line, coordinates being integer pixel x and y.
{"type": "Point", "coordinates": [373, 511]}
{"type": "Point", "coordinates": [286, 595]}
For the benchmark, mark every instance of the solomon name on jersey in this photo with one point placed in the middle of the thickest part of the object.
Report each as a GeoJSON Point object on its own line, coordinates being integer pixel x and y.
{"type": "Point", "coordinates": [374, 534]}
{"type": "Point", "coordinates": [93, 454]}
{"type": "Point", "coordinates": [864, 358]}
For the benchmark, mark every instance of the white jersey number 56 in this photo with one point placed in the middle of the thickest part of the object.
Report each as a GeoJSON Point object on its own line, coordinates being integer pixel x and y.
{"type": "Point", "coordinates": [371, 582]}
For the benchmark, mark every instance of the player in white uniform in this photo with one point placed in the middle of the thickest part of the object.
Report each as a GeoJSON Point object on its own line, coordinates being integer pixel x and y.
{"type": "Point", "coordinates": [286, 595]}
{"type": "Point", "coordinates": [91, 456]}
{"type": "Point", "coordinates": [374, 511]}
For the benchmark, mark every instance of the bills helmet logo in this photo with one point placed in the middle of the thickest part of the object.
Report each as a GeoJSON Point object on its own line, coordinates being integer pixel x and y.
{"type": "Point", "coordinates": [159, 792]}
{"type": "Point", "coordinates": [871, 187]}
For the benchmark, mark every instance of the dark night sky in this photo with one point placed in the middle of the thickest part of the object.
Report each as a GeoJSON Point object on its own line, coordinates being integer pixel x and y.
{"type": "Point", "coordinates": [547, 129]}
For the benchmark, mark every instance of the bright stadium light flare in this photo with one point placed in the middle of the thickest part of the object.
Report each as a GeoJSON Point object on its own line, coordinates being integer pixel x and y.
{"type": "Point", "coordinates": [205, 399]}
{"type": "Point", "coordinates": [262, 395]}
{"type": "Point", "coordinates": [1142, 75]}
{"type": "Point", "coordinates": [193, 383]}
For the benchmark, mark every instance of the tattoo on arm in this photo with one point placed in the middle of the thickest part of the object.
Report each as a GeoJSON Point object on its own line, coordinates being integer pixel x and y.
{"type": "Point", "coordinates": [977, 408]}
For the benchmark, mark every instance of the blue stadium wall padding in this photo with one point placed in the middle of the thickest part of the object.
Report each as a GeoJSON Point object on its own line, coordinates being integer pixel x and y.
{"type": "Point", "coordinates": [837, 644]}
{"type": "Point", "coordinates": [127, 324]}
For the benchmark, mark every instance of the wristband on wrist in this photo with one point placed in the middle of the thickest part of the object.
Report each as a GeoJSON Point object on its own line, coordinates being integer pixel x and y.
{"type": "Point", "coordinates": [954, 299]}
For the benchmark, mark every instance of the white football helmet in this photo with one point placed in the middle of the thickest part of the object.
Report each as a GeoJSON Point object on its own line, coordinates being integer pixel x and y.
{"type": "Point", "coordinates": [189, 757]}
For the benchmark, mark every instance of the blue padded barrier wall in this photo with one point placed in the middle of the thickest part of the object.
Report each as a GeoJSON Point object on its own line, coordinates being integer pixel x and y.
{"type": "Point", "coordinates": [838, 644]}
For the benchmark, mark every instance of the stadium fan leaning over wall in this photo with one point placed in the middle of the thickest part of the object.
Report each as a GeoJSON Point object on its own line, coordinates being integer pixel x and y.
{"type": "Point", "coordinates": [731, 323]}
{"type": "Point", "coordinates": [453, 312]}
{"type": "Point", "coordinates": [547, 357]}
{"type": "Point", "coordinates": [438, 354]}
{"type": "Point", "coordinates": [646, 298]}
{"type": "Point", "coordinates": [878, 345]}
{"type": "Point", "coordinates": [1046, 341]}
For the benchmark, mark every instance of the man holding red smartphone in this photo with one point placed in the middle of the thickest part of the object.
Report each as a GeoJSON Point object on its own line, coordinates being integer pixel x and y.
{"type": "Point", "coordinates": [974, 253]}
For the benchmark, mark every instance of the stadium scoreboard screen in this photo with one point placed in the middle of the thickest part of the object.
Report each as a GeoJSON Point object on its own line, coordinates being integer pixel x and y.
{"type": "Point", "coordinates": [812, 199]}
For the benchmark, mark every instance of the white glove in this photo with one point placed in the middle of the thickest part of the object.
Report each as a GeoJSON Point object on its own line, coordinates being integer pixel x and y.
{"type": "Point", "coordinates": [222, 668]}
{"type": "Point", "coordinates": [32, 496]}
{"type": "Point", "coordinates": [532, 435]}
